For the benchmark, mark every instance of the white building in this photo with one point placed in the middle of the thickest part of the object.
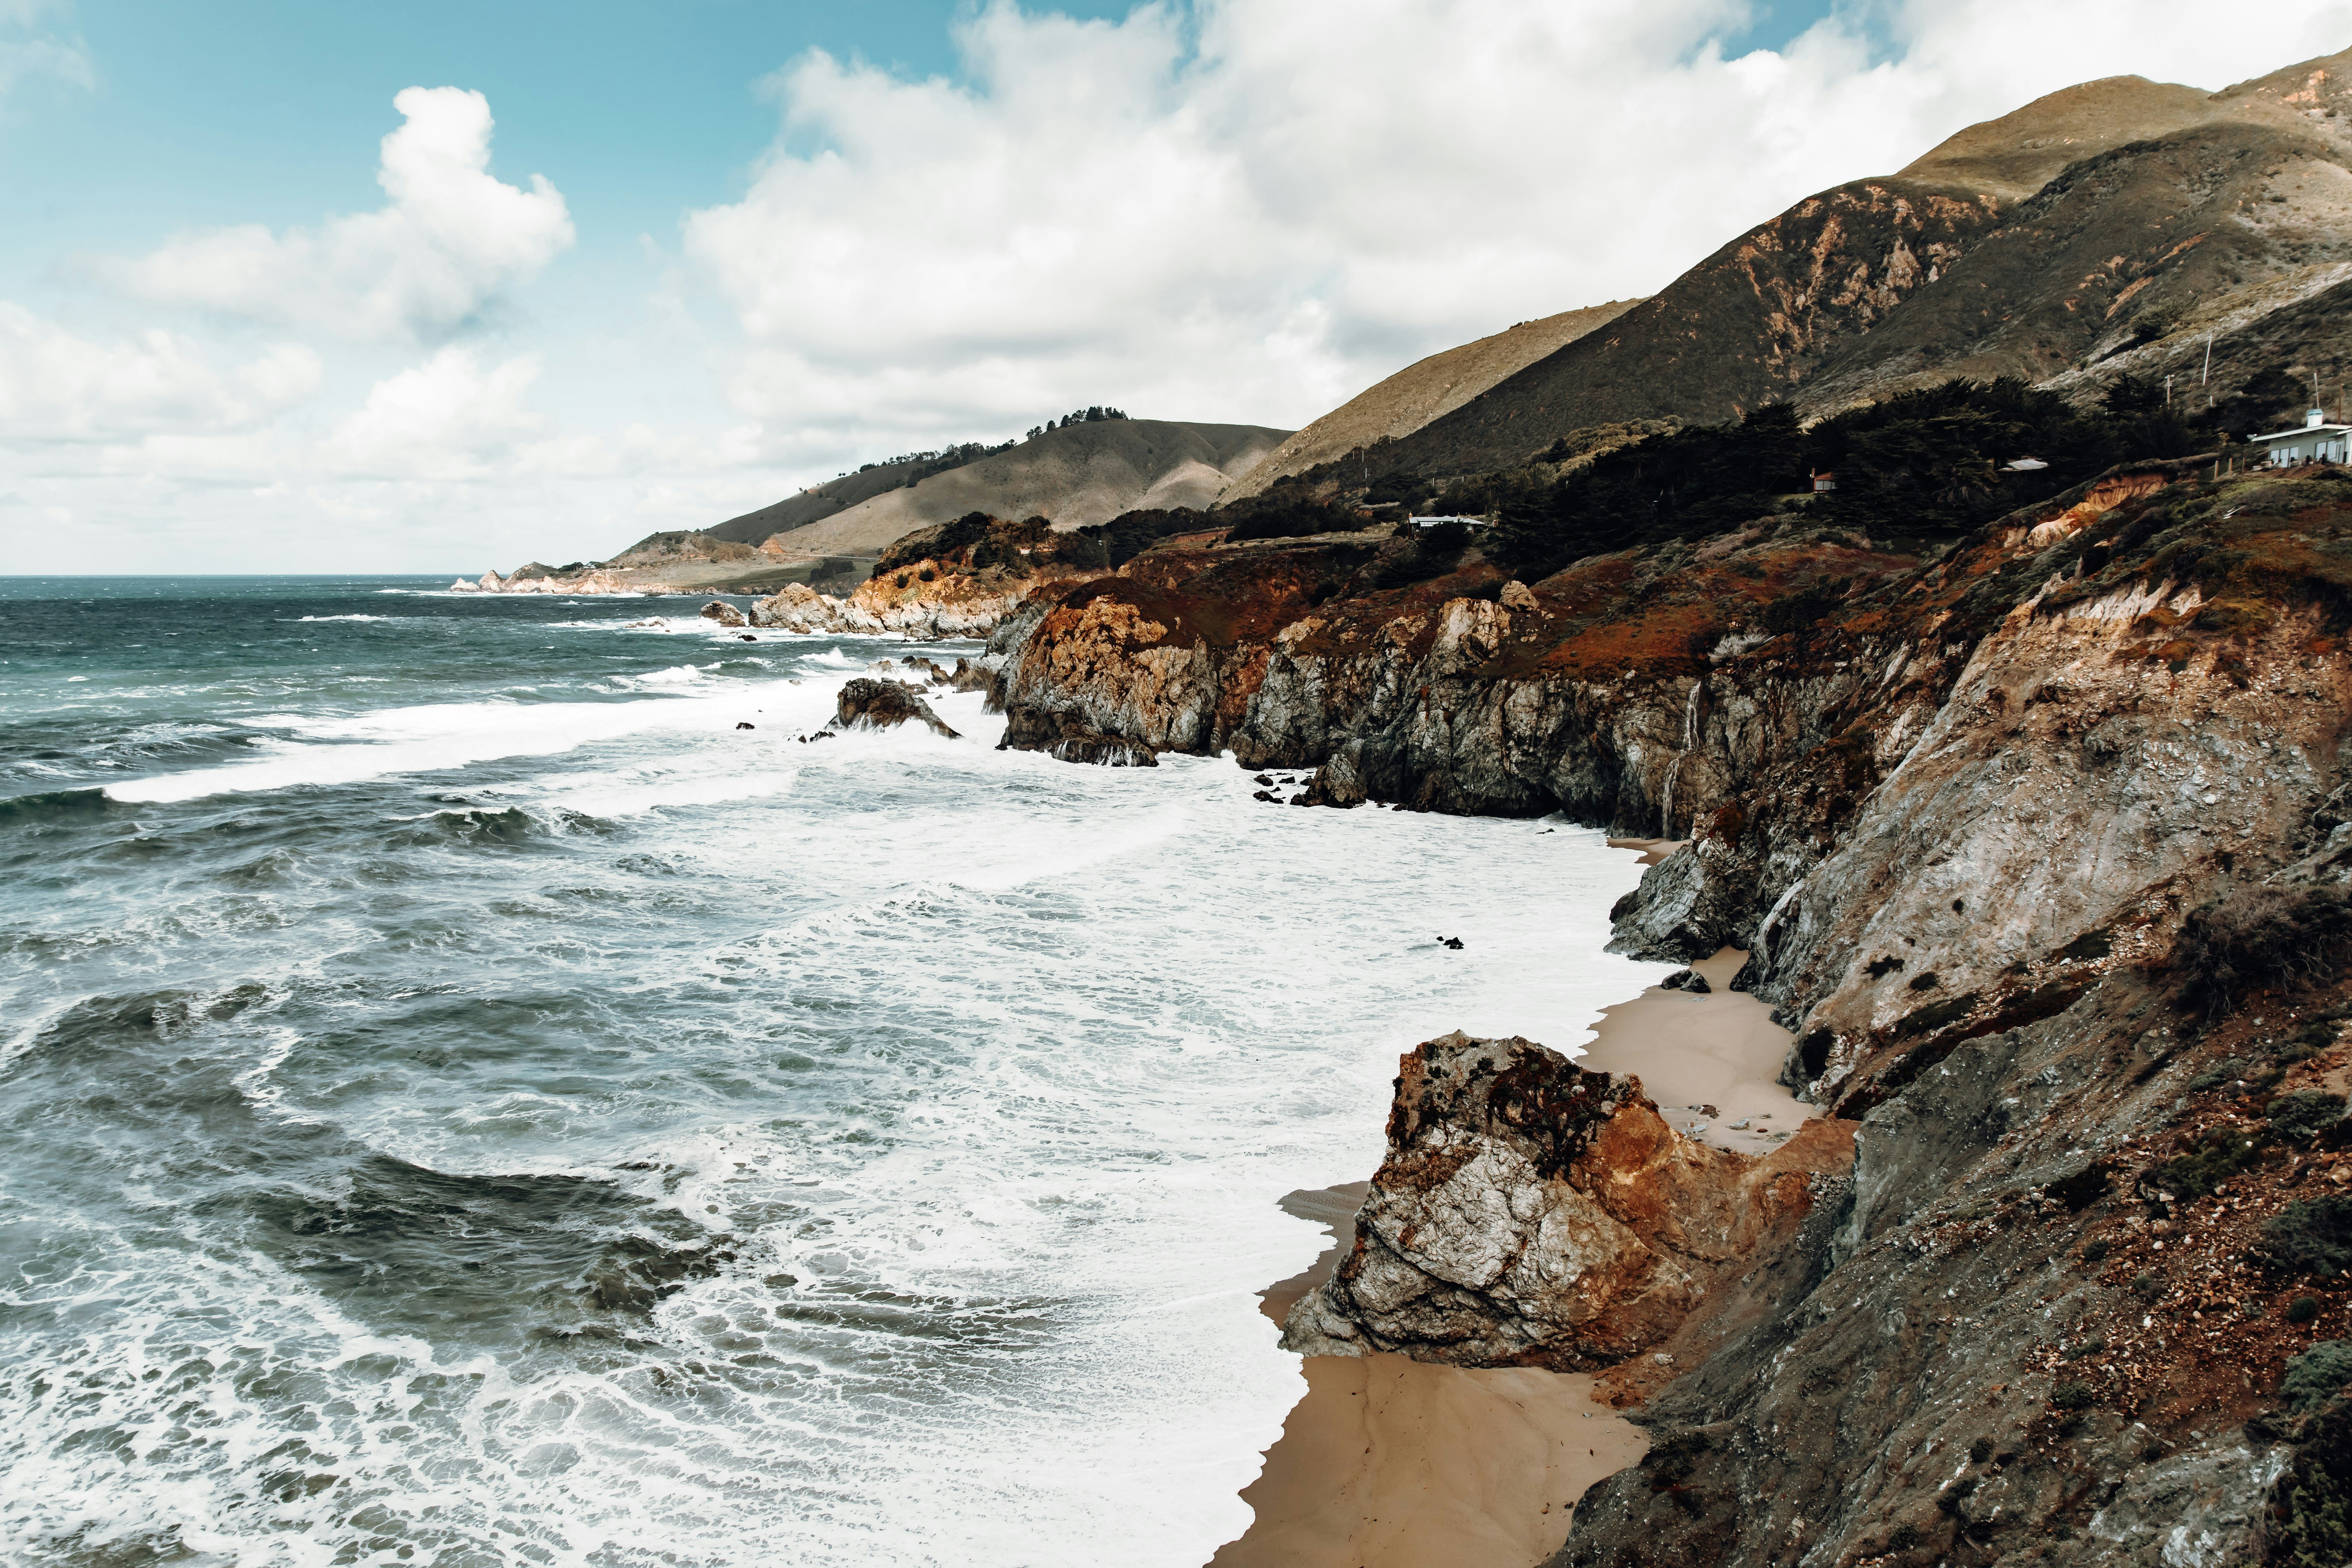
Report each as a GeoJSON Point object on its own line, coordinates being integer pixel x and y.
{"type": "Point", "coordinates": [2314, 441]}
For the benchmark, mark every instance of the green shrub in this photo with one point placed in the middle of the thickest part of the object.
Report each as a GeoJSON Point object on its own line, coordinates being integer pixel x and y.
{"type": "Point", "coordinates": [2303, 1309]}
{"type": "Point", "coordinates": [2314, 1236]}
{"type": "Point", "coordinates": [2095, 1251]}
{"type": "Point", "coordinates": [2262, 936]}
{"type": "Point", "coordinates": [1903, 1538]}
{"type": "Point", "coordinates": [1980, 1450]}
{"type": "Point", "coordinates": [2071, 1396]}
{"type": "Point", "coordinates": [2151, 1450]}
{"type": "Point", "coordinates": [2146, 1287]}
{"type": "Point", "coordinates": [2305, 1113]}
{"type": "Point", "coordinates": [2217, 1075]}
{"type": "Point", "coordinates": [2221, 1154]}
{"type": "Point", "coordinates": [2314, 1377]}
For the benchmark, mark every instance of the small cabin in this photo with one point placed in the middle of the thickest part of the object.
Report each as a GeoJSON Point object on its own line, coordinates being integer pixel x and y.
{"type": "Point", "coordinates": [1824, 482]}
{"type": "Point", "coordinates": [2314, 441]}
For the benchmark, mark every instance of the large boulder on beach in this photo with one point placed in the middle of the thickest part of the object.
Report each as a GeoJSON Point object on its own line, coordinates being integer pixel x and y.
{"type": "Point", "coordinates": [1532, 1213]}
{"type": "Point", "coordinates": [866, 704]}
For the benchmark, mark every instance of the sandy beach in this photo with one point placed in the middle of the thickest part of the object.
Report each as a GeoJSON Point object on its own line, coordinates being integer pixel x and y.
{"type": "Point", "coordinates": [1393, 1463]}
{"type": "Point", "coordinates": [1709, 1061]}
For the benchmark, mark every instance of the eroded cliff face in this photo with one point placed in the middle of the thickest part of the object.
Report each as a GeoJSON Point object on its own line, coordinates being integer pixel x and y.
{"type": "Point", "coordinates": [2038, 845]}
{"type": "Point", "coordinates": [1531, 1213]}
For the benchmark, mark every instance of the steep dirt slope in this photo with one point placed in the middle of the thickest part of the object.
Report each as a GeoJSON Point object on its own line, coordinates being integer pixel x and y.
{"type": "Point", "coordinates": [1078, 475]}
{"type": "Point", "coordinates": [2156, 212]}
{"type": "Point", "coordinates": [1423, 391]}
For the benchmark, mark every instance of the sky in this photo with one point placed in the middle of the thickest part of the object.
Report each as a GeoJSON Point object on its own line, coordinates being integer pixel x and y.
{"type": "Point", "coordinates": [296, 287]}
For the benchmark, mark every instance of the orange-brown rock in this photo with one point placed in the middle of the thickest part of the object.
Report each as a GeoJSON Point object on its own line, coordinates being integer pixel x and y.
{"type": "Point", "coordinates": [1532, 1213]}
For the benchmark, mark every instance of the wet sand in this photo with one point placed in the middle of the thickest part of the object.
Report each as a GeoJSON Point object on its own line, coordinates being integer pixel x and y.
{"type": "Point", "coordinates": [1720, 1051]}
{"type": "Point", "coordinates": [1393, 1463]}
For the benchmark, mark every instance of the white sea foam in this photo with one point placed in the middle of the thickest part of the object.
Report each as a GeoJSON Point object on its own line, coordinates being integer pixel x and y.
{"type": "Point", "coordinates": [1000, 1061]}
{"type": "Point", "coordinates": [436, 738]}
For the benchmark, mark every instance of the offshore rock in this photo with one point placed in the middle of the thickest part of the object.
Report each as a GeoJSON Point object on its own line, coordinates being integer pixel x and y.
{"type": "Point", "coordinates": [1056, 736]}
{"type": "Point", "coordinates": [867, 704]}
{"type": "Point", "coordinates": [1531, 1213]}
{"type": "Point", "coordinates": [725, 613]}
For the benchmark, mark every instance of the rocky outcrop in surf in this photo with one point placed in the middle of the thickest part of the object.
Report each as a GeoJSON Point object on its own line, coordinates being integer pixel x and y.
{"type": "Point", "coordinates": [1531, 1213]}
{"type": "Point", "coordinates": [868, 704]}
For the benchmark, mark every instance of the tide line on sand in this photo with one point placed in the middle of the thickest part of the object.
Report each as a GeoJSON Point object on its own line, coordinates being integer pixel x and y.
{"type": "Point", "coordinates": [1388, 1462]}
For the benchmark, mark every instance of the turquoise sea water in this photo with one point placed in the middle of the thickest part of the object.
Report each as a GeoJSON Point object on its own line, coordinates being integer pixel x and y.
{"type": "Point", "coordinates": [465, 1101]}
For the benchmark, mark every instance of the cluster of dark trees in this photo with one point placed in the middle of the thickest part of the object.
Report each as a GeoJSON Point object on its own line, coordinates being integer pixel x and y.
{"type": "Point", "coordinates": [1077, 416]}
{"type": "Point", "coordinates": [952, 457]}
{"type": "Point", "coordinates": [1924, 465]}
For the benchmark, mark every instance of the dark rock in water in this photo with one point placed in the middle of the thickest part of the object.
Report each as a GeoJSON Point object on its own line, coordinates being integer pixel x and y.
{"type": "Point", "coordinates": [725, 613]}
{"type": "Point", "coordinates": [1262, 779]}
{"type": "Point", "coordinates": [1452, 941]}
{"type": "Point", "coordinates": [968, 676]}
{"type": "Point", "coordinates": [745, 724]}
{"type": "Point", "coordinates": [867, 704]}
{"type": "Point", "coordinates": [1063, 736]}
{"type": "Point", "coordinates": [1266, 795]}
{"type": "Point", "coordinates": [746, 636]}
{"type": "Point", "coordinates": [1103, 751]}
{"type": "Point", "coordinates": [815, 735]}
{"type": "Point", "coordinates": [1689, 980]}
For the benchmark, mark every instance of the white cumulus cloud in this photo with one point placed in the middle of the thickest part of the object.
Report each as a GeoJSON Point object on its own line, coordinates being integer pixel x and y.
{"type": "Point", "coordinates": [450, 239]}
{"type": "Point", "coordinates": [1254, 208]}
{"type": "Point", "coordinates": [59, 386]}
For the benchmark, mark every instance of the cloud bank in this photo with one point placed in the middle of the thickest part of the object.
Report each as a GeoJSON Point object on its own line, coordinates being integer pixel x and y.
{"type": "Point", "coordinates": [1245, 210]}
{"type": "Point", "coordinates": [1250, 211]}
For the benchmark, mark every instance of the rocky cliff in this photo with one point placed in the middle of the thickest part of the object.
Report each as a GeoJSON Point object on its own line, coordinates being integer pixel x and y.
{"type": "Point", "coordinates": [1532, 1213]}
{"type": "Point", "coordinates": [2034, 842]}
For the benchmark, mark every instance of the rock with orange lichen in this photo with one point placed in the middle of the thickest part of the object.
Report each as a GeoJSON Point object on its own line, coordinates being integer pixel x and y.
{"type": "Point", "coordinates": [1532, 1213]}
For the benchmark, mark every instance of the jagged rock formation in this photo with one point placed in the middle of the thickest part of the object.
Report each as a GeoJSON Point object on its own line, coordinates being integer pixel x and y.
{"type": "Point", "coordinates": [959, 581]}
{"type": "Point", "coordinates": [1532, 1213]}
{"type": "Point", "coordinates": [868, 704]}
{"type": "Point", "coordinates": [2000, 826]}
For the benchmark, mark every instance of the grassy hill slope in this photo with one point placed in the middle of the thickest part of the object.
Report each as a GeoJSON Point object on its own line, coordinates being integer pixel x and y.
{"type": "Point", "coordinates": [1078, 475]}
{"type": "Point", "coordinates": [1422, 391]}
{"type": "Point", "coordinates": [2086, 227]}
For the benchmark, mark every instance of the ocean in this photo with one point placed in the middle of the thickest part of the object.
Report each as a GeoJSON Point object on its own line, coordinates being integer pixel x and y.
{"type": "Point", "coordinates": [467, 1102]}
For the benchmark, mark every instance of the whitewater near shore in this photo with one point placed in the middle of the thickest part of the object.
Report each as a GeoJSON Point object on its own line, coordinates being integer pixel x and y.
{"type": "Point", "coordinates": [512, 1110]}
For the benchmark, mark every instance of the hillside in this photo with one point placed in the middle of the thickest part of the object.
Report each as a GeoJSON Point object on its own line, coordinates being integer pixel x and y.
{"type": "Point", "coordinates": [1078, 475]}
{"type": "Point", "coordinates": [817, 503]}
{"type": "Point", "coordinates": [1425, 390]}
{"type": "Point", "coordinates": [2040, 244]}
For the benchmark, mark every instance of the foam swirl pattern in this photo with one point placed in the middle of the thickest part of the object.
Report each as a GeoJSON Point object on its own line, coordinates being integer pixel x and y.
{"type": "Point", "coordinates": [467, 1102]}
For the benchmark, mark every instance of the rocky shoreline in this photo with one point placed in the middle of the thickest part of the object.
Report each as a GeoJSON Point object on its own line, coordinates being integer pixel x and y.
{"type": "Point", "coordinates": [2036, 848]}
{"type": "Point", "coordinates": [2034, 845]}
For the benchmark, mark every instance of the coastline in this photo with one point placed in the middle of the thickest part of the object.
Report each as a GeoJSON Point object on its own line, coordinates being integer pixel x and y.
{"type": "Point", "coordinates": [1387, 1462]}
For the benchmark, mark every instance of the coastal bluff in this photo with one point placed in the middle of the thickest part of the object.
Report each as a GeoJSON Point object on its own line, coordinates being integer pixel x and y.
{"type": "Point", "coordinates": [1531, 1213]}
